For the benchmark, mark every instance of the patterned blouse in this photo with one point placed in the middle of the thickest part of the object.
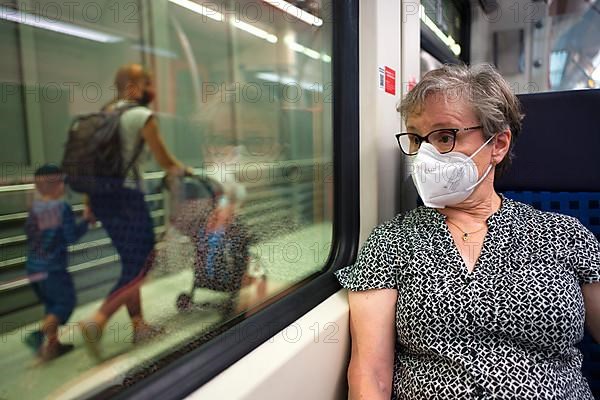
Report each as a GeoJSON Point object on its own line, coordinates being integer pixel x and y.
{"type": "Point", "coordinates": [508, 329]}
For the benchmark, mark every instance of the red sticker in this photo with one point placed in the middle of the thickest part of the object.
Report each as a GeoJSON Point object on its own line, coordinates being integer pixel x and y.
{"type": "Point", "coordinates": [390, 81]}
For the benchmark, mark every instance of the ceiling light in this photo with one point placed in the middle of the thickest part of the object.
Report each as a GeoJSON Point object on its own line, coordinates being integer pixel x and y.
{"type": "Point", "coordinates": [448, 40]}
{"type": "Point", "coordinates": [286, 80]}
{"type": "Point", "coordinates": [36, 21]}
{"type": "Point", "coordinates": [155, 50]}
{"type": "Point", "coordinates": [217, 16]}
{"type": "Point", "coordinates": [200, 9]}
{"type": "Point", "coordinates": [296, 12]}
{"type": "Point", "coordinates": [269, 37]}
{"type": "Point", "coordinates": [289, 40]}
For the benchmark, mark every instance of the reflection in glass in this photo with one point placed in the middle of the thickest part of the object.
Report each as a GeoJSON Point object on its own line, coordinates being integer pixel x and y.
{"type": "Point", "coordinates": [244, 99]}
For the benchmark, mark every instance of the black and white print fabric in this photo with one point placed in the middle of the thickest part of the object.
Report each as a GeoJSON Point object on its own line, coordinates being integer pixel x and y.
{"type": "Point", "coordinates": [508, 329]}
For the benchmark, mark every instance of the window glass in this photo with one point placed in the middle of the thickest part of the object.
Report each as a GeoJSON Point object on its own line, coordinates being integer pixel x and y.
{"type": "Point", "coordinates": [541, 46]}
{"type": "Point", "coordinates": [574, 59]}
{"type": "Point", "coordinates": [237, 92]}
{"type": "Point", "coordinates": [444, 19]}
{"type": "Point", "coordinates": [13, 141]}
{"type": "Point", "coordinates": [428, 62]}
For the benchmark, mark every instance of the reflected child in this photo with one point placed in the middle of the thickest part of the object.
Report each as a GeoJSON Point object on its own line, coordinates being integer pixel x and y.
{"type": "Point", "coordinates": [50, 228]}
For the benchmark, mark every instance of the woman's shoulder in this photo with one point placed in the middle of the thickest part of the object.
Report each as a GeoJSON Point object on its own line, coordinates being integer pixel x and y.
{"type": "Point", "coordinates": [404, 220]}
{"type": "Point", "coordinates": [134, 117]}
{"type": "Point", "coordinates": [543, 221]}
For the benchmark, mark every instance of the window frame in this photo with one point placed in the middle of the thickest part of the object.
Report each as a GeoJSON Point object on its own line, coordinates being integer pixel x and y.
{"type": "Point", "coordinates": [434, 46]}
{"type": "Point", "coordinates": [230, 343]}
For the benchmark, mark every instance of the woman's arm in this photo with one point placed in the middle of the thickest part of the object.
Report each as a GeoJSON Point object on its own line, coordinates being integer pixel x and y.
{"type": "Point", "coordinates": [151, 135]}
{"type": "Point", "coordinates": [591, 296]}
{"type": "Point", "coordinates": [373, 331]}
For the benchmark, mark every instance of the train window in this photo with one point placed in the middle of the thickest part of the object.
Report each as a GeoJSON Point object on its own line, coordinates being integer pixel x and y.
{"type": "Point", "coordinates": [540, 46]}
{"type": "Point", "coordinates": [13, 147]}
{"type": "Point", "coordinates": [445, 29]}
{"type": "Point", "coordinates": [224, 202]}
{"type": "Point", "coordinates": [445, 20]}
{"type": "Point", "coordinates": [574, 59]}
{"type": "Point", "coordinates": [428, 62]}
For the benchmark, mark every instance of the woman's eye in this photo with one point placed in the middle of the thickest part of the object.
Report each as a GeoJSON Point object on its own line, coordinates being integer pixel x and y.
{"type": "Point", "coordinates": [444, 139]}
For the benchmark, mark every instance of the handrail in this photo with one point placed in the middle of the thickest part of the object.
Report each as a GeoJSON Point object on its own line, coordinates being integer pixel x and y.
{"type": "Point", "coordinates": [88, 264]}
{"type": "Point", "coordinates": [75, 207]}
{"type": "Point", "coordinates": [22, 187]}
{"type": "Point", "coordinates": [27, 186]}
{"type": "Point", "coordinates": [73, 268]}
{"type": "Point", "coordinates": [13, 239]}
{"type": "Point", "coordinates": [19, 260]}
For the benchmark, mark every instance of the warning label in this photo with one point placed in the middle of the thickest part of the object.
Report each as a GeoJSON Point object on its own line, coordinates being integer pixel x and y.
{"type": "Point", "coordinates": [390, 81]}
{"type": "Point", "coordinates": [387, 79]}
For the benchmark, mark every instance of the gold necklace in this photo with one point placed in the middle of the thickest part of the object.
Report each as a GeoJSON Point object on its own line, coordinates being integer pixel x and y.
{"type": "Point", "coordinates": [465, 235]}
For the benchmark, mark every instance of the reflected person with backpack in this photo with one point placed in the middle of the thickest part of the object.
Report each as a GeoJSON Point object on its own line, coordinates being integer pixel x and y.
{"type": "Point", "coordinates": [115, 188]}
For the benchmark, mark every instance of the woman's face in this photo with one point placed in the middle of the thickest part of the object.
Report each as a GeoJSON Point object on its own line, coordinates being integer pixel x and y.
{"type": "Point", "coordinates": [439, 112]}
{"type": "Point", "coordinates": [141, 88]}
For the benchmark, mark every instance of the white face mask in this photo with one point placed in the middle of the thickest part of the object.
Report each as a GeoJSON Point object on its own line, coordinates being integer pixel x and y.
{"type": "Point", "coordinates": [445, 179]}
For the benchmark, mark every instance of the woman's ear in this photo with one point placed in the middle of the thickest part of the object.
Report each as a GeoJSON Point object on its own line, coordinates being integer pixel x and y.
{"type": "Point", "coordinates": [501, 146]}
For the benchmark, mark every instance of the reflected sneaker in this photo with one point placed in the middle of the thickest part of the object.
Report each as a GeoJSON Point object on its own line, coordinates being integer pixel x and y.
{"type": "Point", "coordinates": [91, 337]}
{"type": "Point", "coordinates": [55, 350]}
{"type": "Point", "coordinates": [34, 341]}
{"type": "Point", "coordinates": [147, 332]}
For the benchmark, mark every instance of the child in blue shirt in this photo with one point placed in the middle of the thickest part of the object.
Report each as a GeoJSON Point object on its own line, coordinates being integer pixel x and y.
{"type": "Point", "coordinates": [50, 228]}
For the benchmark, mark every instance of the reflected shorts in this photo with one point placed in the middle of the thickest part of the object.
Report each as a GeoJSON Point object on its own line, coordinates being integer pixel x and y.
{"type": "Point", "coordinates": [57, 292]}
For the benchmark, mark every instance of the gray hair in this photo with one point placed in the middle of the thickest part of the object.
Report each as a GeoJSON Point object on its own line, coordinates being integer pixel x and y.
{"type": "Point", "coordinates": [483, 88]}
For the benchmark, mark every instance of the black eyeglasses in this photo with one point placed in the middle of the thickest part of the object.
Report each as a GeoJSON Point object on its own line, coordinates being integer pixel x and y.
{"type": "Point", "coordinates": [442, 139]}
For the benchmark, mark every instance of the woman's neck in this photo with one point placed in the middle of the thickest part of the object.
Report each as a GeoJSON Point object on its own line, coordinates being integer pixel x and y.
{"type": "Point", "coordinates": [476, 210]}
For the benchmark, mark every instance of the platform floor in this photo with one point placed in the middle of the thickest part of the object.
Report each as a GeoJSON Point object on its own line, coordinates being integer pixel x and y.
{"type": "Point", "coordinates": [285, 261]}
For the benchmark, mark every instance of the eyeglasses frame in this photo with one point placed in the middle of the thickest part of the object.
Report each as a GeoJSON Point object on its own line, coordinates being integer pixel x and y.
{"type": "Point", "coordinates": [426, 137]}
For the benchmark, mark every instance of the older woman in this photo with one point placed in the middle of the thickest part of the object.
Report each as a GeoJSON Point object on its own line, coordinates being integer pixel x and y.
{"type": "Point", "coordinates": [488, 295]}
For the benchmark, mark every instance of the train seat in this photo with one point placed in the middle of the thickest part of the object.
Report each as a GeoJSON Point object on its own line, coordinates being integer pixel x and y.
{"type": "Point", "coordinates": [557, 168]}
